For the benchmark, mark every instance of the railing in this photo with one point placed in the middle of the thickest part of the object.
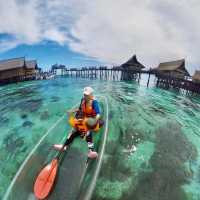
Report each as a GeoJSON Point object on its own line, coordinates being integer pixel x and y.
{"type": "Point", "coordinates": [175, 82]}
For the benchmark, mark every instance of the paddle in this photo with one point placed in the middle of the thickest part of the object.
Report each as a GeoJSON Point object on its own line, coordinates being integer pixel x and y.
{"type": "Point", "coordinates": [46, 178]}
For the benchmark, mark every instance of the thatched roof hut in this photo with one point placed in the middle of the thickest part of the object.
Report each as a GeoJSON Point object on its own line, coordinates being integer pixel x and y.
{"type": "Point", "coordinates": [12, 63]}
{"type": "Point", "coordinates": [17, 69]}
{"type": "Point", "coordinates": [132, 64]}
{"type": "Point", "coordinates": [196, 76]}
{"type": "Point", "coordinates": [12, 69]}
{"type": "Point", "coordinates": [173, 68]}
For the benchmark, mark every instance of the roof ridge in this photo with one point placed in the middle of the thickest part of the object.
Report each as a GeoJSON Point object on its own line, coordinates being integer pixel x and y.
{"type": "Point", "coordinates": [183, 59]}
{"type": "Point", "coordinates": [17, 58]}
{"type": "Point", "coordinates": [31, 60]}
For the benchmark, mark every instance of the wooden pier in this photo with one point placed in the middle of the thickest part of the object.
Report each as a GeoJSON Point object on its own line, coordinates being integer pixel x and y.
{"type": "Point", "coordinates": [168, 82]}
{"type": "Point", "coordinates": [161, 80]}
{"type": "Point", "coordinates": [105, 73]}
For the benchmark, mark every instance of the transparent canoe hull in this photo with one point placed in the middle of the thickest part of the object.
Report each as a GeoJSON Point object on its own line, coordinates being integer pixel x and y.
{"type": "Point", "coordinates": [75, 175]}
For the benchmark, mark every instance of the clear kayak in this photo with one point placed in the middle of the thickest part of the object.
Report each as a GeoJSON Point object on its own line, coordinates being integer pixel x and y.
{"type": "Point", "coordinates": [77, 175]}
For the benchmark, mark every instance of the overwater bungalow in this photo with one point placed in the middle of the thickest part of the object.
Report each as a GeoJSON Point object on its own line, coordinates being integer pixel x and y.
{"type": "Point", "coordinates": [130, 69]}
{"type": "Point", "coordinates": [196, 77]}
{"type": "Point", "coordinates": [174, 69]}
{"type": "Point", "coordinates": [17, 69]}
{"type": "Point", "coordinates": [174, 75]}
{"type": "Point", "coordinates": [132, 65]}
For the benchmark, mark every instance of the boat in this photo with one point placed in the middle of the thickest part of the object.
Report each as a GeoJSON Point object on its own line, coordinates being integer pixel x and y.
{"type": "Point", "coordinates": [75, 170]}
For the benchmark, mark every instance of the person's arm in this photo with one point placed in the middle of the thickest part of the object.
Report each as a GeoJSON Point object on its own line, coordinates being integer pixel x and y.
{"type": "Point", "coordinates": [69, 112]}
{"type": "Point", "coordinates": [75, 109]}
{"type": "Point", "coordinates": [96, 108]}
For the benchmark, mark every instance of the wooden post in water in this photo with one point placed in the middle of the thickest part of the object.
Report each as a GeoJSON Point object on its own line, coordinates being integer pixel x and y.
{"type": "Point", "coordinates": [139, 77]}
{"type": "Point", "coordinates": [148, 80]}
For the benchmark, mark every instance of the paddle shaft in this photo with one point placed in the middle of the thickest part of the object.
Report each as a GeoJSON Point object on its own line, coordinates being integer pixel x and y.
{"type": "Point", "coordinates": [62, 149]}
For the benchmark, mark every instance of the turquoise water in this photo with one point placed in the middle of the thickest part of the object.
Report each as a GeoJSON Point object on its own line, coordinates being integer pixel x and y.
{"type": "Point", "coordinates": [163, 125]}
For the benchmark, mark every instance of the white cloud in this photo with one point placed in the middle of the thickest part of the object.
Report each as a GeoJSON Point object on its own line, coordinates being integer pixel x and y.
{"type": "Point", "coordinates": [55, 35]}
{"type": "Point", "coordinates": [8, 44]}
{"type": "Point", "coordinates": [110, 31]}
{"type": "Point", "coordinates": [19, 20]}
{"type": "Point", "coordinates": [156, 31]}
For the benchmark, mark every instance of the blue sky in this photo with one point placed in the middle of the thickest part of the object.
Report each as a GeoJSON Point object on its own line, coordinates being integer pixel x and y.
{"type": "Point", "coordinates": [48, 53]}
{"type": "Point", "coordinates": [85, 32]}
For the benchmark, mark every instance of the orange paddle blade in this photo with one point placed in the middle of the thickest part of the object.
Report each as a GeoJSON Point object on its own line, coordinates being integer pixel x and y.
{"type": "Point", "coordinates": [45, 180]}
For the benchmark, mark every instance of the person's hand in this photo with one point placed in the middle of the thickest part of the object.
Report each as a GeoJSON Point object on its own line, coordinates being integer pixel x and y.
{"type": "Point", "coordinates": [97, 116]}
{"type": "Point", "coordinates": [73, 110]}
{"type": "Point", "coordinates": [80, 120]}
{"type": "Point", "coordinates": [69, 112]}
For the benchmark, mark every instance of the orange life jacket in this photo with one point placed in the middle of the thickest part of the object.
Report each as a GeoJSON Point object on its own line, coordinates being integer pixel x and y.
{"type": "Point", "coordinates": [87, 110]}
{"type": "Point", "coordinates": [81, 126]}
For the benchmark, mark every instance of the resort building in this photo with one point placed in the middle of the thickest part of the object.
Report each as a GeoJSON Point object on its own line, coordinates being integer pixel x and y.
{"type": "Point", "coordinates": [17, 69]}
{"type": "Point", "coordinates": [131, 69]}
{"type": "Point", "coordinates": [58, 69]}
{"type": "Point", "coordinates": [132, 65]}
{"type": "Point", "coordinates": [173, 68]}
{"type": "Point", "coordinates": [196, 77]}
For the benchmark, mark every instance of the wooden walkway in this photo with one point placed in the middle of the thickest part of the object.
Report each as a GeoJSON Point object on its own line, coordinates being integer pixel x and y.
{"type": "Point", "coordinates": [177, 83]}
{"type": "Point", "coordinates": [105, 73]}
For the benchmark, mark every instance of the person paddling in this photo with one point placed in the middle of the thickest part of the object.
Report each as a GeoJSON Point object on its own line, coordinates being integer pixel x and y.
{"type": "Point", "coordinates": [87, 119]}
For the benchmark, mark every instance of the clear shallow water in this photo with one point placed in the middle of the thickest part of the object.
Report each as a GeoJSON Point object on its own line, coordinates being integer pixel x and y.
{"type": "Point", "coordinates": [163, 125]}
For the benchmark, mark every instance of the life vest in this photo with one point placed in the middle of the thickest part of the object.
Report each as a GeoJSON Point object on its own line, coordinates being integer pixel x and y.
{"type": "Point", "coordinates": [88, 110]}
{"type": "Point", "coordinates": [78, 124]}
{"type": "Point", "coordinates": [81, 125]}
